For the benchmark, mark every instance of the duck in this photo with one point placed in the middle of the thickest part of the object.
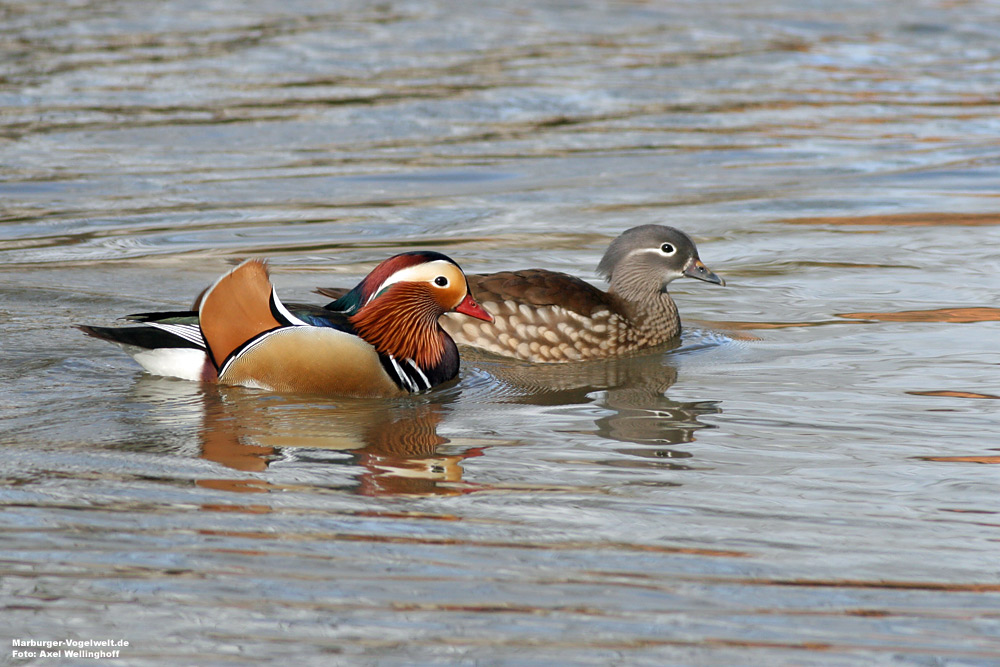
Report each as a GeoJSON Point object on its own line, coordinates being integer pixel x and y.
{"type": "Point", "coordinates": [543, 316]}
{"type": "Point", "coordinates": [389, 342]}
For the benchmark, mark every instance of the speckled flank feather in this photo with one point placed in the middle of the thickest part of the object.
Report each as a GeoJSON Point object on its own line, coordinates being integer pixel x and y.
{"type": "Point", "coordinates": [548, 317]}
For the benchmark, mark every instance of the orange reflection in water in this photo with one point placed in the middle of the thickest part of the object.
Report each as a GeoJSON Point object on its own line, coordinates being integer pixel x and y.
{"type": "Point", "coordinates": [962, 459]}
{"type": "Point", "coordinates": [947, 393]}
{"type": "Point", "coordinates": [395, 443]}
{"type": "Point", "coordinates": [956, 315]}
{"type": "Point", "coordinates": [738, 330]}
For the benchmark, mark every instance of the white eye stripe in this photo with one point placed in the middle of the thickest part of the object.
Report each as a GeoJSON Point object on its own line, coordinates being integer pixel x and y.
{"type": "Point", "coordinates": [657, 251]}
{"type": "Point", "coordinates": [419, 273]}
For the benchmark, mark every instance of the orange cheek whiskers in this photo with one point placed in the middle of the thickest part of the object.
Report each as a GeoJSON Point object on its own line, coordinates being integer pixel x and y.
{"type": "Point", "coordinates": [403, 323]}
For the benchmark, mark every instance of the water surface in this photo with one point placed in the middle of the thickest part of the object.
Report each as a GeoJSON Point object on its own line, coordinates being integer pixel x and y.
{"type": "Point", "coordinates": [808, 479]}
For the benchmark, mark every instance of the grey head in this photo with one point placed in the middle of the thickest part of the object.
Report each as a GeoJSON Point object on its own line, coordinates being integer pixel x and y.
{"type": "Point", "coordinates": [644, 260]}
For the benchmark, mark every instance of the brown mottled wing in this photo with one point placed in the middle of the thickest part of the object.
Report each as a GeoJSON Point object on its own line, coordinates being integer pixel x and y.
{"type": "Point", "coordinates": [538, 287]}
{"type": "Point", "coordinates": [541, 316]}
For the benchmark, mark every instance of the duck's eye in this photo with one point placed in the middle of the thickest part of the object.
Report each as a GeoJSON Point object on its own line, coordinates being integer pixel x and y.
{"type": "Point", "coordinates": [667, 249]}
{"type": "Point", "coordinates": [441, 281]}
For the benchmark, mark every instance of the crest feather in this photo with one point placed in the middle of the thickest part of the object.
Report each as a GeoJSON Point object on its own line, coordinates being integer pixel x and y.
{"type": "Point", "coordinates": [356, 298]}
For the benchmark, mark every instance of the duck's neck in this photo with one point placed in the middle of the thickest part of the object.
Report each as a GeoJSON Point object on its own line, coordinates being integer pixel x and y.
{"type": "Point", "coordinates": [651, 312]}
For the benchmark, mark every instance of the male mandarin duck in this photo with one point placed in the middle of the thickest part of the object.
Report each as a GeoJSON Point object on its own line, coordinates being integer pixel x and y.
{"type": "Point", "coordinates": [549, 317]}
{"type": "Point", "coordinates": [390, 342]}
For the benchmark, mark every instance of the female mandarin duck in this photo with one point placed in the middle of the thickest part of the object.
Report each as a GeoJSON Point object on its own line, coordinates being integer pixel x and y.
{"type": "Point", "coordinates": [545, 316]}
{"type": "Point", "coordinates": [388, 343]}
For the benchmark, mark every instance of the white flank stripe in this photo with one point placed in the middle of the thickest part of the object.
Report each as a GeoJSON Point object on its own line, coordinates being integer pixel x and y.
{"type": "Point", "coordinates": [402, 375]}
{"type": "Point", "coordinates": [256, 341]}
{"type": "Point", "coordinates": [284, 311]}
{"type": "Point", "coordinates": [427, 383]}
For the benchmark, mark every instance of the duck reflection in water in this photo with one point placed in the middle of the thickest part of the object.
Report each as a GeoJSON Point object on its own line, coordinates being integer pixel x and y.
{"type": "Point", "coordinates": [632, 390]}
{"type": "Point", "coordinates": [395, 443]}
{"type": "Point", "coordinates": [393, 447]}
